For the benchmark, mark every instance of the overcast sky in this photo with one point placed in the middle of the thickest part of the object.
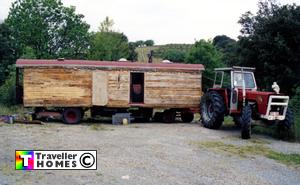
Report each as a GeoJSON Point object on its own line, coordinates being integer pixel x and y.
{"type": "Point", "coordinates": [164, 21]}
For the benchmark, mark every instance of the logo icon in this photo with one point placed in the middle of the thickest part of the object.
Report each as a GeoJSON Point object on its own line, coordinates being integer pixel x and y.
{"type": "Point", "coordinates": [24, 160]}
{"type": "Point", "coordinates": [87, 160]}
{"type": "Point", "coordinates": [56, 159]}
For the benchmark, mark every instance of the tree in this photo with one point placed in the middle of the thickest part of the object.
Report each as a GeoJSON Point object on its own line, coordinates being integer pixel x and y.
{"type": "Point", "coordinates": [109, 46]}
{"type": "Point", "coordinates": [270, 41]}
{"type": "Point", "coordinates": [8, 51]}
{"type": "Point", "coordinates": [48, 28]}
{"type": "Point", "coordinates": [107, 25]}
{"type": "Point", "coordinates": [149, 43]}
{"type": "Point", "coordinates": [222, 41]}
{"type": "Point", "coordinates": [228, 47]}
{"type": "Point", "coordinates": [133, 55]}
{"type": "Point", "coordinates": [174, 55]}
{"type": "Point", "coordinates": [7, 89]}
{"type": "Point", "coordinates": [74, 35]}
{"type": "Point", "coordinates": [139, 43]}
{"type": "Point", "coordinates": [203, 52]}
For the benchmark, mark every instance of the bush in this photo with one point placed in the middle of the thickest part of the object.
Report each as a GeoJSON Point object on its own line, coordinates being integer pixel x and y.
{"type": "Point", "coordinates": [7, 90]}
{"type": "Point", "coordinates": [174, 55]}
{"type": "Point", "coordinates": [295, 105]}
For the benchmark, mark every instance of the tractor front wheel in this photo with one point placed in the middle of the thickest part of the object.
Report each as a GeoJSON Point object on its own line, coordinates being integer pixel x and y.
{"type": "Point", "coordinates": [212, 110]}
{"type": "Point", "coordinates": [245, 120]}
{"type": "Point", "coordinates": [284, 127]}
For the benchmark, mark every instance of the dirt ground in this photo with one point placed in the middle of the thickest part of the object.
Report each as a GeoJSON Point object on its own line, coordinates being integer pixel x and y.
{"type": "Point", "coordinates": [152, 153]}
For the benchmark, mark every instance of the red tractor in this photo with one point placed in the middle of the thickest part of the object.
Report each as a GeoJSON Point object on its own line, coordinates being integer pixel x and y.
{"type": "Point", "coordinates": [235, 93]}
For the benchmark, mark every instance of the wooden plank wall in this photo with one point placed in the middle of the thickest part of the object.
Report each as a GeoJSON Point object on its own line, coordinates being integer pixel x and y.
{"type": "Point", "coordinates": [57, 87]}
{"type": "Point", "coordinates": [118, 88]}
{"type": "Point", "coordinates": [100, 89]}
{"type": "Point", "coordinates": [176, 90]}
{"type": "Point", "coordinates": [63, 87]}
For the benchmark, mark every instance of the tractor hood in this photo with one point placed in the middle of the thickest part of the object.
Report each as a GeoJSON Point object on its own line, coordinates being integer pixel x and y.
{"type": "Point", "coordinates": [261, 99]}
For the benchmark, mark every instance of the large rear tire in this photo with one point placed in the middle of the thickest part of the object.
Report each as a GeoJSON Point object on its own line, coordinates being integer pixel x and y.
{"type": "Point", "coordinates": [212, 109]}
{"type": "Point", "coordinates": [245, 120]}
{"type": "Point", "coordinates": [72, 115]}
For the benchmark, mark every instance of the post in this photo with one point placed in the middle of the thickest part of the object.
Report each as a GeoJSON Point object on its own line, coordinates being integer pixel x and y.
{"type": "Point", "coordinates": [244, 90]}
{"type": "Point", "coordinates": [150, 56]}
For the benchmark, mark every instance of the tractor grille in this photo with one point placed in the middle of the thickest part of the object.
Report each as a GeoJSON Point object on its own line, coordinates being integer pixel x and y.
{"type": "Point", "coordinates": [277, 107]}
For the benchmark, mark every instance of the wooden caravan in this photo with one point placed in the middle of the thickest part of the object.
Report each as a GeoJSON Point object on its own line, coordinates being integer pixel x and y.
{"type": "Point", "coordinates": [103, 87]}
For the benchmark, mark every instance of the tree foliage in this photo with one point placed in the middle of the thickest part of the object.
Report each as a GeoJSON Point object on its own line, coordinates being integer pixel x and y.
{"type": "Point", "coordinates": [173, 52]}
{"type": "Point", "coordinates": [7, 89]}
{"type": "Point", "coordinates": [107, 44]}
{"type": "Point", "coordinates": [174, 55]}
{"type": "Point", "coordinates": [107, 25]}
{"type": "Point", "coordinates": [133, 55]}
{"type": "Point", "coordinates": [270, 41]}
{"type": "Point", "coordinates": [228, 47]}
{"type": "Point", "coordinates": [149, 43]}
{"type": "Point", "coordinates": [141, 43]}
{"type": "Point", "coordinates": [203, 52]}
{"type": "Point", "coordinates": [8, 51]}
{"type": "Point", "coordinates": [48, 28]}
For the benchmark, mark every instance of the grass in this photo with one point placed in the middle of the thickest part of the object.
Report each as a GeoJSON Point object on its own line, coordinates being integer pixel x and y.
{"type": "Point", "coordinates": [270, 130]}
{"type": "Point", "coordinates": [10, 110]}
{"type": "Point", "coordinates": [100, 127]}
{"type": "Point", "coordinates": [250, 150]}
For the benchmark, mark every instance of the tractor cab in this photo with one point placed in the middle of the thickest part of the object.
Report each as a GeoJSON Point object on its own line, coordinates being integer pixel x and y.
{"type": "Point", "coordinates": [235, 93]}
{"type": "Point", "coordinates": [234, 80]}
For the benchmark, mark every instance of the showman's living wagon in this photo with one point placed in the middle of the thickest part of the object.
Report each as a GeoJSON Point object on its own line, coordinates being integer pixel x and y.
{"type": "Point", "coordinates": [71, 87]}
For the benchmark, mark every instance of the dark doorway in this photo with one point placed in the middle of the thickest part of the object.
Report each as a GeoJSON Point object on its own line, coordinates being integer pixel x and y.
{"type": "Point", "coordinates": [137, 87]}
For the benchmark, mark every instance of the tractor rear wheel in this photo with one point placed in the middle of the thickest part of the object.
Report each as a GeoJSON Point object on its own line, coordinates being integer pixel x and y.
{"type": "Point", "coordinates": [212, 110]}
{"type": "Point", "coordinates": [72, 115]}
{"type": "Point", "coordinates": [245, 121]}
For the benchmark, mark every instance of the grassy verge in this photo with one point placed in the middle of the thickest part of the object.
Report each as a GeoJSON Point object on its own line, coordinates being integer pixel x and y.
{"type": "Point", "coordinates": [270, 130]}
{"type": "Point", "coordinates": [250, 150]}
{"type": "Point", "coordinates": [10, 110]}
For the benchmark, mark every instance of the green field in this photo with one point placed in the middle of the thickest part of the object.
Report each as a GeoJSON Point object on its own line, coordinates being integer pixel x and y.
{"type": "Point", "coordinates": [143, 52]}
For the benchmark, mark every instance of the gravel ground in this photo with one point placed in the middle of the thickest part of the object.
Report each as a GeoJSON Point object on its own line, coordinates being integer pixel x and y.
{"type": "Point", "coordinates": [144, 154]}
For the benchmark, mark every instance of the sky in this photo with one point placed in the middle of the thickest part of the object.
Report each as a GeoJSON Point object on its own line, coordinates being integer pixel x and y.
{"type": "Point", "coordinates": [164, 21]}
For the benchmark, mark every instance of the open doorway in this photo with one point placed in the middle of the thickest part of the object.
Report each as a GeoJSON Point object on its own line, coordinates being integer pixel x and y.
{"type": "Point", "coordinates": [137, 87]}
